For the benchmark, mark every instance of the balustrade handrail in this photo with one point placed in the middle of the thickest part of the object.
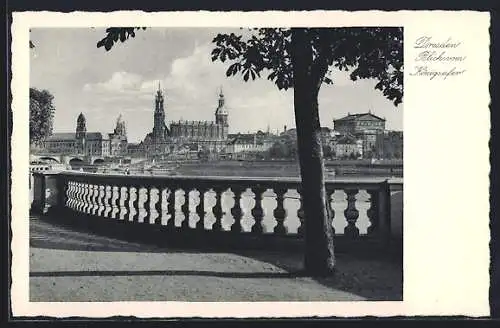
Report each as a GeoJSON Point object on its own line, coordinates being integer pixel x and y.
{"type": "Point", "coordinates": [362, 182]}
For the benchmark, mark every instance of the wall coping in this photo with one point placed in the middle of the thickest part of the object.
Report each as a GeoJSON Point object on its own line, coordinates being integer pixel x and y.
{"type": "Point", "coordinates": [393, 182]}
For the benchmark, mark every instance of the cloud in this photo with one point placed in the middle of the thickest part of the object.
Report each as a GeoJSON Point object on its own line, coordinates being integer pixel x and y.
{"type": "Point", "coordinates": [119, 82]}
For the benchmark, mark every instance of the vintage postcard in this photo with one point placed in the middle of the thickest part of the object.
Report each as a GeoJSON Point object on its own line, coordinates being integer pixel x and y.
{"type": "Point", "coordinates": [257, 164]}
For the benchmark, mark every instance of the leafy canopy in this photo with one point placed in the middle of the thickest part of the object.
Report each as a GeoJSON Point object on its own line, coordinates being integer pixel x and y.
{"type": "Point", "coordinates": [41, 115]}
{"type": "Point", "coordinates": [113, 34]}
{"type": "Point", "coordinates": [366, 52]}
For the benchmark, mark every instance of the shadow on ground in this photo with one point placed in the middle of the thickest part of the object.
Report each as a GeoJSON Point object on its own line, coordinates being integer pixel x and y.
{"type": "Point", "coordinates": [371, 277]}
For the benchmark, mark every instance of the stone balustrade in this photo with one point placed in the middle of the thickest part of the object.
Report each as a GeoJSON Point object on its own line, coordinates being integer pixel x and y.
{"type": "Point", "coordinates": [202, 208]}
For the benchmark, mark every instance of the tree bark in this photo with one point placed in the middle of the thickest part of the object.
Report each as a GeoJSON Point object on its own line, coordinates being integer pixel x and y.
{"type": "Point", "coordinates": [318, 233]}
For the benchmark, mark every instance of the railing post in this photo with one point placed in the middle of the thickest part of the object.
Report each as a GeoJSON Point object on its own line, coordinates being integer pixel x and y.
{"type": "Point", "coordinates": [126, 204]}
{"type": "Point", "coordinates": [351, 214]}
{"type": "Point", "coordinates": [373, 212]}
{"type": "Point", "coordinates": [384, 214]}
{"type": "Point", "coordinates": [158, 205]}
{"type": "Point", "coordinates": [135, 204]}
{"type": "Point", "coordinates": [280, 211]}
{"type": "Point", "coordinates": [258, 211]}
{"type": "Point", "coordinates": [217, 209]}
{"type": "Point", "coordinates": [200, 209]}
{"type": "Point", "coordinates": [185, 209]}
{"type": "Point", "coordinates": [62, 188]}
{"type": "Point", "coordinates": [147, 206]}
{"type": "Point", "coordinates": [171, 206]}
{"type": "Point", "coordinates": [38, 203]}
{"type": "Point", "coordinates": [300, 214]}
{"type": "Point", "coordinates": [237, 211]}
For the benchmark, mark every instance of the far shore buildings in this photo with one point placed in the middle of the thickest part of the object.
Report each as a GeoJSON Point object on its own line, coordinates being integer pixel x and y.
{"type": "Point", "coordinates": [369, 129]}
{"type": "Point", "coordinates": [363, 126]}
{"type": "Point", "coordinates": [86, 143]}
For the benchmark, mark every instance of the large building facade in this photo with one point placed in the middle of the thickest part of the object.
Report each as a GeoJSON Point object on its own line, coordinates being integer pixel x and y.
{"type": "Point", "coordinates": [363, 126]}
{"type": "Point", "coordinates": [209, 136]}
{"type": "Point", "coordinates": [86, 143]}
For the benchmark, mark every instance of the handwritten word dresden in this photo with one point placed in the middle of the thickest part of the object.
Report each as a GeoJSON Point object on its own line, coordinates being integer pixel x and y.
{"type": "Point", "coordinates": [438, 59]}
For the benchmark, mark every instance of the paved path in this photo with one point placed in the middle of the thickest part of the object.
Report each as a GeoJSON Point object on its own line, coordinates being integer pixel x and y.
{"type": "Point", "coordinates": [68, 265]}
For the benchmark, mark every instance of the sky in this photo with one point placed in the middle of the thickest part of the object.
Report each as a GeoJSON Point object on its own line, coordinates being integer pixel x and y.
{"type": "Point", "coordinates": [102, 85]}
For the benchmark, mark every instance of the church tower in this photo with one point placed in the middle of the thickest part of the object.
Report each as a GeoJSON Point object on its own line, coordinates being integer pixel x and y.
{"type": "Point", "coordinates": [159, 127]}
{"type": "Point", "coordinates": [81, 131]}
{"type": "Point", "coordinates": [221, 115]}
{"type": "Point", "coordinates": [120, 129]}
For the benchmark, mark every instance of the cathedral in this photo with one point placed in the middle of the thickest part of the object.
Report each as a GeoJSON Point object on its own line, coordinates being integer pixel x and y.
{"type": "Point", "coordinates": [195, 135]}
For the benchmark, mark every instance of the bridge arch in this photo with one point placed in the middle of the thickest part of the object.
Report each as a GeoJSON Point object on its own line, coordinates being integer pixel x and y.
{"type": "Point", "coordinates": [76, 163]}
{"type": "Point", "coordinates": [48, 158]}
{"type": "Point", "coordinates": [98, 161]}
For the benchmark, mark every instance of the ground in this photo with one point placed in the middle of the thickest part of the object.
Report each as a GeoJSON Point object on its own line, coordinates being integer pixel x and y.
{"type": "Point", "coordinates": [67, 265]}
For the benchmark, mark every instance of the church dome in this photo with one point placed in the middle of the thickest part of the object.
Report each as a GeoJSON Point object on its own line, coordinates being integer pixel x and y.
{"type": "Point", "coordinates": [221, 108]}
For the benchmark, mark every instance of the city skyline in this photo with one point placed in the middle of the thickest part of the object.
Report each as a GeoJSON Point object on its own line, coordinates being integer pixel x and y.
{"type": "Point", "coordinates": [103, 85]}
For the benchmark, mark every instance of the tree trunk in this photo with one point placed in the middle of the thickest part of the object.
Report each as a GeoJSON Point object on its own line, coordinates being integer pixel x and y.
{"type": "Point", "coordinates": [318, 233]}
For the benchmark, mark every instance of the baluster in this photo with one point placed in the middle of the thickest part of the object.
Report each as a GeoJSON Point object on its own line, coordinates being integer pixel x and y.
{"type": "Point", "coordinates": [82, 196]}
{"type": "Point", "coordinates": [300, 214]}
{"type": "Point", "coordinates": [217, 209]}
{"type": "Point", "coordinates": [100, 199]}
{"type": "Point", "coordinates": [351, 214]}
{"type": "Point", "coordinates": [64, 191]}
{"type": "Point", "coordinates": [158, 207]}
{"type": "Point", "coordinates": [108, 201]}
{"type": "Point", "coordinates": [73, 195]}
{"type": "Point", "coordinates": [126, 203]}
{"type": "Point", "coordinates": [258, 211]}
{"type": "Point", "coordinates": [69, 199]}
{"type": "Point", "coordinates": [171, 207]}
{"type": "Point", "coordinates": [92, 195]}
{"type": "Point", "coordinates": [147, 206]}
{"type": "Point", "coordinates": [88, 193]}
{"type": "Point", "coordinates": [200, 209]}
{"type": "Point", "coordinates": [95, 197]}
{"type": "Point", "coordinates": [135, 204]}
{"type": "Point", "coordinates": [185, 209]}
{"type": "Point", "coordinates": [79, 196]}
{"type": "Point", "coordinates": [280, 211]}
{"type": "Point", "coordinates": [372, 212]}
{"type": "Point", "coordinates": [116, 203]}
{"type": "Point", "coordinates": [236, 211]}
{"type": "Point", "coordinates": [329, 207]}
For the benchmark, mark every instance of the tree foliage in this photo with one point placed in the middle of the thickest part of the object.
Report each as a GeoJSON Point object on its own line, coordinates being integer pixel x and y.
{"type": "Point", "coordinates": [366, 52]}
{"type": "Point", "coordinates": [115, 34]}
{"type": "Point", "coordinates": [41, 115]}
{"type": "Point", "coordinates": [285, 148]}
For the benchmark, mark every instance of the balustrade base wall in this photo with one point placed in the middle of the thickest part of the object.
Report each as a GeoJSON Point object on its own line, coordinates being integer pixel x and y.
{"type": "Point", "coordinates": [163, 236]}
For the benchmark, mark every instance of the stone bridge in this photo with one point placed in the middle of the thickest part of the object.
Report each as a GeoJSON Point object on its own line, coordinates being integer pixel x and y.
{"type": "Point", "coordinates": [68, 158]}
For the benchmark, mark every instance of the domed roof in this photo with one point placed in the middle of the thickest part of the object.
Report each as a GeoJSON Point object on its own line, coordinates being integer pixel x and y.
{"type": "Point", "coordinates": [221, 109]}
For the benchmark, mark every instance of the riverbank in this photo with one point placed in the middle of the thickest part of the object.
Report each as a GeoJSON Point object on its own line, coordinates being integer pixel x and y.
{"type": "Point", "coordinates": [270, 169]}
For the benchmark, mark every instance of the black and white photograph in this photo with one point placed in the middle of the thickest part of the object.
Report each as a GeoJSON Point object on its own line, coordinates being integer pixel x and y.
{"type": "Point", "coordinates": [207, 164]}
{"type": "Point", "coordinates": [250, 165]}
